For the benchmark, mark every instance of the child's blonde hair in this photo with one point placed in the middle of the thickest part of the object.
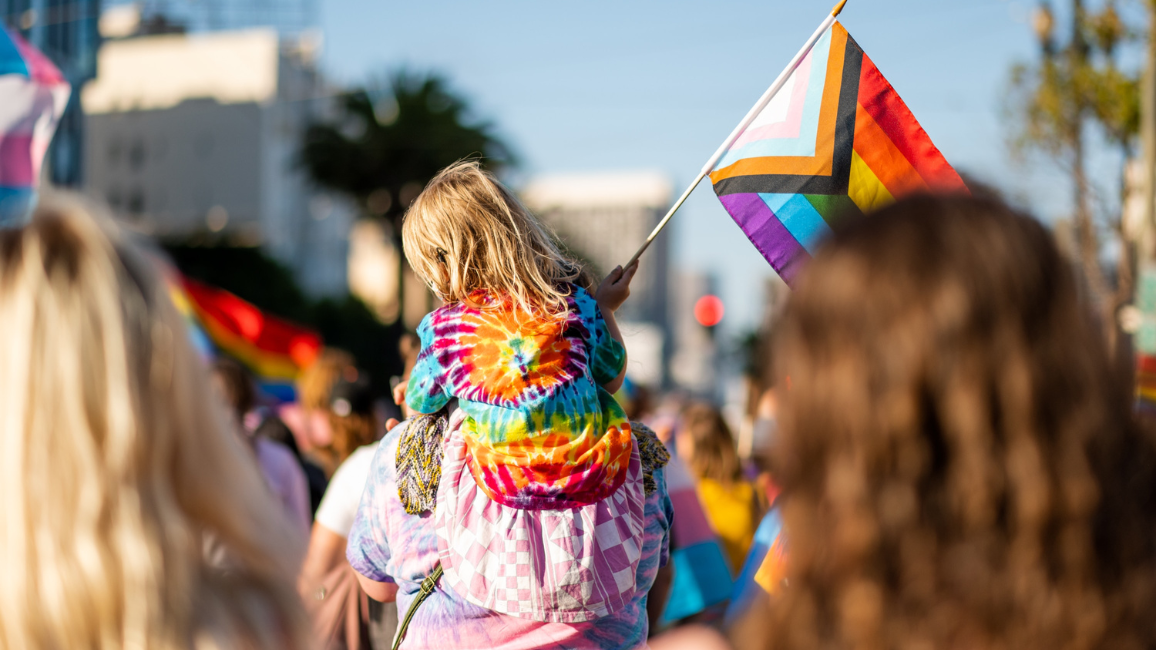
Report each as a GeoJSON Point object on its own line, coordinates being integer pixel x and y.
{"type": "Point", "coordinates": [466, 232]}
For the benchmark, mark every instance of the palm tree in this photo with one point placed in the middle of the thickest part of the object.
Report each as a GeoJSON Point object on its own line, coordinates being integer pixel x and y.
{"type": "Point", "coordinates": [385, 145]}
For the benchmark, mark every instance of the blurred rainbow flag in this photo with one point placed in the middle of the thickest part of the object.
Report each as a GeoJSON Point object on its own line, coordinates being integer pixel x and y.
{"type": "Point", "coordinates": [33, 95]}
{"type": "Point", "coordinates": [765, 567]}
{"type": "Point", "coordinates": [1146, 384]}
{"type": "Point", "coordinates": [275, 350]}
{"type": "Point", "coordinates": [835, 141]}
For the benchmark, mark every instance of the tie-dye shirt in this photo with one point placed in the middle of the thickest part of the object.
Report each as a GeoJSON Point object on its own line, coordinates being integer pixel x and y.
{"type": "Point", "coordinates": [446, 620]}
{"type": "Point", "coordinates": [541, 430]}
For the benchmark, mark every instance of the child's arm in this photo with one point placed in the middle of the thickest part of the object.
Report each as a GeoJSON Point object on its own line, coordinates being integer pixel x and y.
{"type": "Point", "coordinates": [614, 291]}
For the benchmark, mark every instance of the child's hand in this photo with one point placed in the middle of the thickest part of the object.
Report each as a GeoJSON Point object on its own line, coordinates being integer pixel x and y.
{"type": "Point", "coordinates": [615, 289]}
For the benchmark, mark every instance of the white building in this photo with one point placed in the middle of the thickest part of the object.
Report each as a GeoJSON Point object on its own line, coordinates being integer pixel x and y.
{"type": "Point", "coordinates": [193, 134]}
{"type": "Point", "coordinates": [603, 218]}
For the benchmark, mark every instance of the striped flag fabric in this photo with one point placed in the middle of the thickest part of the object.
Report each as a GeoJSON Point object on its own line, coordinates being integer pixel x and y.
{"type": "Point", "coordinates": [765, 567]}
{"type": "Point", "coordinates": [33, 95]}
{"type": "Point", "coordinates": [702, 576]}
{"type": "Point", "coordinates": [273, 349]}
{"type": "Point", "coordinates": [835, 142]}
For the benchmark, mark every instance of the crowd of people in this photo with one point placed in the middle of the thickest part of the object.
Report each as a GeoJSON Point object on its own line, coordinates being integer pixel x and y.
{"type": "Point", "coordinates": [952, 463]}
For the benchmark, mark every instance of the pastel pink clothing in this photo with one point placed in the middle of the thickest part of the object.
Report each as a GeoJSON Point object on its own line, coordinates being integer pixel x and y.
{"type": "Point", "coordinates": [388, 545]}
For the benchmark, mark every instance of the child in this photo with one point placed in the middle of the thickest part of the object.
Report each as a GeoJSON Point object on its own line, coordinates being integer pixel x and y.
{"type": "Point", "coordinates": [531, 357]}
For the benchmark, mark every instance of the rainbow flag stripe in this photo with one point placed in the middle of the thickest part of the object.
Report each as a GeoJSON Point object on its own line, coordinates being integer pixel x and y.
{"type": "Point", "coordinates": [274, 349]}
{"type": "Point", "coordinates": [835, 142]}
{"type": "Point", "coordinates": [1146, 384]}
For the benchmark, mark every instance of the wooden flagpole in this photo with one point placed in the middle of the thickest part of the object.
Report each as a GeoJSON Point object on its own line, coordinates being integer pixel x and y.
{"type": "Point", "coordinates": [750, 117]}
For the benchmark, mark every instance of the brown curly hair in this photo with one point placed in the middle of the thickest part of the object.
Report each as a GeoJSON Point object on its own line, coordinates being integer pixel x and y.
{"type": "Point", "coordinates": [959, 468]}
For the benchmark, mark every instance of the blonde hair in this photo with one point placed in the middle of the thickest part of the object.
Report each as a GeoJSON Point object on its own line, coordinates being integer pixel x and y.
{"type": "Point", "coordinates": [466, 233]}
{"type": "Point", "coordinates": [115, 467]}
{"type": "Point", "coordinates": [317, 380]}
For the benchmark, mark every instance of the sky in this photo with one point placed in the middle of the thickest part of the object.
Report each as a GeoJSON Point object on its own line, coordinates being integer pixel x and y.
{"type": "Point", "coordinates": [642, 84]}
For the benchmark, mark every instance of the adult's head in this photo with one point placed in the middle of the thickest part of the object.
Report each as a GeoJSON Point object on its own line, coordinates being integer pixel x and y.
{"type": "Point", "coordinates": [706, 445]}
{"type": "Point", "coordinates": [318, 378]}
{"type": "Point", "coordinates": [957, 468]}
{"type": "Point", "coordinates": [351, 417]}
{"type": "Point", "coordinates": [115, 466]}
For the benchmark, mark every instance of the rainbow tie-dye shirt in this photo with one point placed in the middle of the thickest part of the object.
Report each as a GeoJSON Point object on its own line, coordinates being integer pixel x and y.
{"type": "Point", "coordinates": [541, 430]}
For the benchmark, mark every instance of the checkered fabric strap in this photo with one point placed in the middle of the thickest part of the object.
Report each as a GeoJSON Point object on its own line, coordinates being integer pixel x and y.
{"type": "Point", "coordinates": [427, 587]}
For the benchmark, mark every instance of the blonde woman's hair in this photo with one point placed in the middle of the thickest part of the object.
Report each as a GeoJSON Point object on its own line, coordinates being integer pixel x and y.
{"type": "Point", "coordinates": [467, 233]}
{"type": "Point", "coordinates": [115, 465]}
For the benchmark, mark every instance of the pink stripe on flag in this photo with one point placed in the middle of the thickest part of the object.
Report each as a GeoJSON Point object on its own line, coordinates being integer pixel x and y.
{"type": "Point", "coordinates": [40, 68]}
{"type": "Point", "coordinates": [690, 523]}
{"type": "Point", "coordinates": [785, 254]}
{"type": "Point", "coordinates": [16, 160]}
{"type": "Point", "coordinates": [793, 124]}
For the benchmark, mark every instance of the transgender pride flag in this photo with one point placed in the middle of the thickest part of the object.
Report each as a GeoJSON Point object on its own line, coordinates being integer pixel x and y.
{"type": "Point", "coordinates": [33, 95]}
{"type": "Point", "coordinates": [835, 141]}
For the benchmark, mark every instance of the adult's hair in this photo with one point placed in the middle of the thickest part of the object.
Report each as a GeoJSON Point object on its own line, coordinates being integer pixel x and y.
{"type": "Point", "coordinates": [237, 385]}
{"type": "Point", "coordinates": [715, 456]}
{"type": "Point", "coordinates": [317, 379]}
{"type": "Point", "coordinates": [114, 465]}
{"type": "Point", "coordinates": [957, 467]}
{"type": "Point", "coordinates": [351, 419]}
{"type": "Point", "coordinates": [467, 233]}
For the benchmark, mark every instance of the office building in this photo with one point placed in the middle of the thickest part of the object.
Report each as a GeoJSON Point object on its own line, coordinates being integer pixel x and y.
{"type": "Point", "coordinates": [198, 134]}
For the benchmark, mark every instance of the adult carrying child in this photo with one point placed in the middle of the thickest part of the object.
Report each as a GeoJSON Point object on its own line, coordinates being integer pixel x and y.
{"type": "Point", "coordinates": [535, 515]}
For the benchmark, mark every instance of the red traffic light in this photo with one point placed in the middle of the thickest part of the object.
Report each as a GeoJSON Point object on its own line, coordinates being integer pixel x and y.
{"type": "Point", "coordinates": [708, 311]}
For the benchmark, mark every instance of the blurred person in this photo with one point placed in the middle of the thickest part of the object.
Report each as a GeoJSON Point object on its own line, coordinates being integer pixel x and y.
{"type": "Point", "coordinates": [701, 581]}
{"type": "Point", "coordinates": [343, 616]}
{"type": "Point", "coordinates": [479, 522]}
{"type": "Point", "coordinates": [116, 465]}
{"type": "Point", "coordinates": [274, 428]}
{"type": "Point", "coordinates": [958, 465]}
{"type": "Point", "coordinates": [704, 442]}
{"type": "Point", "coordinates": [308, 417]}
{"type": "Point", "coordinates": [282, 472]}
{"type": "Point", "coordinates": [353, 421]}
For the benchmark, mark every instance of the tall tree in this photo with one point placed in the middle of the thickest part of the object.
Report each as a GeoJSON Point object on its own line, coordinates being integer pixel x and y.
{"type": "Point", "coordinates": [387, 142]}
{"type": "Point", "coordinates": [1076, 86]}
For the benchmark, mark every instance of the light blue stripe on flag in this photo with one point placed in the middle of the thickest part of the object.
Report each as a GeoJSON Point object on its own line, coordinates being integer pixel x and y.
{"type": "Point", "coordinates": [805, 144]}
{"type": "Point", "coordinates": [10, 60]}
{"type": "Point", "coordinates": [15, 205]}
{"type": "Point", "coordinates": [800, 218]}
{"type": "Point", "coordinates": [702, 579]}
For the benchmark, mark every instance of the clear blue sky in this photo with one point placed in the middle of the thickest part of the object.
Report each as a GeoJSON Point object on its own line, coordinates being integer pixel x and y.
{"type": "Point", "coordinates": [627, 84]}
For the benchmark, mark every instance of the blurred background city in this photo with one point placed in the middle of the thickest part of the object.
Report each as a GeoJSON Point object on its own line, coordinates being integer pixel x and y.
{"type": "Point", "coordinates": [272, 146]}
